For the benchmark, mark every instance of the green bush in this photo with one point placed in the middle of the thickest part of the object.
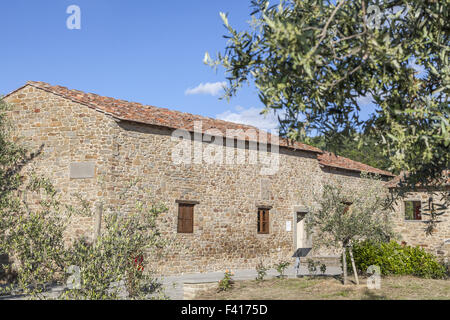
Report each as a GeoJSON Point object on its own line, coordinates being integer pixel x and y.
{"type": "Point", "coordinates": [281, 267]}
{"type": "Point", "coordinates": [396, 259]}
{"type": "Point", "coordinates": [261, 270]}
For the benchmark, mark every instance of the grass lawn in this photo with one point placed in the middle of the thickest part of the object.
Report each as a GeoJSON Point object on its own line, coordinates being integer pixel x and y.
{"type": "Point", "coordinates": [328, 288]}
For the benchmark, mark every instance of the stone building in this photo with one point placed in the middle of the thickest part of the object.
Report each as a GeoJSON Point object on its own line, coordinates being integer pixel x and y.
{"type": "Point", "coordinates": [234, 194]}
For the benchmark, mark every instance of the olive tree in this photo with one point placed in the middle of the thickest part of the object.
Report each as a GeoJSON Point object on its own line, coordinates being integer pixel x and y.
{"type": "Point", "coordinates": [314, 62]}
{"type": "Point", "coordinates": [341, 217]}
{"type": "Point", "coordinates": [12, 159]}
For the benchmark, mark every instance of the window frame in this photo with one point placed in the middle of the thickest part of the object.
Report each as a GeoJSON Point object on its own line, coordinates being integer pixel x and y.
{"type": "Point", "coordinates": [263, 220]}
{"type": "Point", "coordinates": [417, 216]}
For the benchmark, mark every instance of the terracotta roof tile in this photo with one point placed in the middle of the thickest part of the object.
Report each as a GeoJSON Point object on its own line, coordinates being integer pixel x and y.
{"type": "Point", "coordinates": [331, 160]}
{"type": "Point", "coordinates": [136, 112]}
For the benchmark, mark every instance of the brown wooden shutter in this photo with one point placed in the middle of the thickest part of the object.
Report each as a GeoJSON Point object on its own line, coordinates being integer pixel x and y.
{"type": "Point", "coordinates": [185, 218]}
{"type": "Point", "coordinates": [263, 221]}
{"type": "Point", "coordinates": [417, 210]}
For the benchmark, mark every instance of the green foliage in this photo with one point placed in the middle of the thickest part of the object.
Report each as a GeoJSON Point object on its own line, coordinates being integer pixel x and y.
{"type": "Point", "coordinates": [312, 266]}
{"type": "Point", "coordinates": [261, 271]}
{"type": "Point", "coordinates": [323, 268]}
{"type": "Point", "coordinates": [116, 261]}
{"type": "Point", "coordinates": [227, 282]}
{"type": "Point", "coordinates": [396, 259]}
{"type": "Point", "coordinates": [112, 267]}
{"type": "Point", "coordinates": [447, 268]}
{"type": "Point", "coordinates": [343, 216]}
{"type": "Point", "coordinates": [12, 158]}
{"type": "Point", "coordinates": [34, 240]}
{"type": "Point", "coordinates": [281, 267]}
{"type": "Point", "coordinates": [314, 61]}
{"type": "Point", "coordinates": [358, 147]}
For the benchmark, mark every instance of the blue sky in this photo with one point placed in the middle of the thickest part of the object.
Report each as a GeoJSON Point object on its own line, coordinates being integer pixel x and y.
{"type": "Point", "coordinates": [139, 50]}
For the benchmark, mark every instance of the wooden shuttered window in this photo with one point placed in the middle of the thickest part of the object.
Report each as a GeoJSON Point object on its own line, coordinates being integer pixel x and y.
{"type": "Point", "coordinates": [185, 218]}
{"type": "Point", "coordinates": [263, 220]}
{"type": "Point", "coordinates": [413, 210]}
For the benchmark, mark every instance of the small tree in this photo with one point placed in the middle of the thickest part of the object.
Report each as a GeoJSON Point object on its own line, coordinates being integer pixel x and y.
{"type": "Point", "coordinates": [341, 218]}
{"type": "Point", "coordinates": [12, 159]}
{"type": "Point", "coordinates": [115, 262]}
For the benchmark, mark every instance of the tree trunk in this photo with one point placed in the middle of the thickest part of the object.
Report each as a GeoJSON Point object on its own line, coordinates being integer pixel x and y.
{"type": "Point", "coordinates": [344, 265]}
{"type": "Point", "coordinates": [353, 265]}
{"type": "Point", "coordinates": [98, 222]}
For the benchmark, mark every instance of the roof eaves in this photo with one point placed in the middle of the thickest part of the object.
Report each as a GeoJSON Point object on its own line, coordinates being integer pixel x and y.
{"type": "Point", "coordinates": [378, 171]}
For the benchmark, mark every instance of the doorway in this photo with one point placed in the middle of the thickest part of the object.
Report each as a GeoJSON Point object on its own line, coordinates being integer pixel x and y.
{"type": "Point", "coordinates": [303, 240]}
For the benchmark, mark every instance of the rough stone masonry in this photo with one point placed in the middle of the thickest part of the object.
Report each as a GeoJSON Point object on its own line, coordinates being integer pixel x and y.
{"type": "Point", "coordinates": [94, 146]}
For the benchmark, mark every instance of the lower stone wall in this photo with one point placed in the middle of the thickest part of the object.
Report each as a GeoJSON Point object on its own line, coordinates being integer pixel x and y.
{"type": "Point", "coordinates": [191, 290]}
{"type": "Point", "coordinates": [329, 261]}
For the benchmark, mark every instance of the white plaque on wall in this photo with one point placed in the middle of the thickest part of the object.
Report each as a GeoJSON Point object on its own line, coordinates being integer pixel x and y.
{"type": "Point", "coordinates": [288, 225]}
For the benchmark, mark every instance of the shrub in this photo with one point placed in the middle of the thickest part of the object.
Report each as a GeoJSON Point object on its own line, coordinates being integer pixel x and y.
{"type": "Point", "coordinates": [447, 268]}
{"type": "Point", "coordinates": [227, 282]}
{"type": "Point", "coordinates": [312, 266]}
{"type": "Point", "coordinates": [111, 267]}
{"type": "Point", "coordinates": [323, 268]}
{"type": "Point", "coordinates": [396, 259]}
{"type": "Point", "coordinates": [281, 267]}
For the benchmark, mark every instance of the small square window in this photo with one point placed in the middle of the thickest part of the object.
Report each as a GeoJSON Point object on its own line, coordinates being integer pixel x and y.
{"type": "Point", "coordinates": [185, 218]}
{"type": "Point", "coordinates": [413, 210]}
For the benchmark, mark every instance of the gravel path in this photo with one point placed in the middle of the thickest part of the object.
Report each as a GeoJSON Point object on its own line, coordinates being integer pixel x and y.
{"type": "Point", "coordinates": [174, 284]}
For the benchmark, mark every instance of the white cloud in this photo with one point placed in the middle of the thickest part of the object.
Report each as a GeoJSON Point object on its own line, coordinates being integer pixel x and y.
{"type": "Point", "coordinates": [207, 88]}
{"type": "Point", "coordinates": [251, 117]}
{"type": "Point", "coordinates": [365, 101]}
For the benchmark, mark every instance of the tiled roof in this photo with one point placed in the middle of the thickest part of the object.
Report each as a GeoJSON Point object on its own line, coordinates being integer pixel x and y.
{"type": "Point", "coordinates": [136, 112]}
{"type": "Point", "coordinates": [331, 160]}
{"type": "Point", "coordinates": [399, 180]}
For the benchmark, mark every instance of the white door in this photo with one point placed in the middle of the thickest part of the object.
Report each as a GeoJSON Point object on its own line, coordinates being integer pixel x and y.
{"type": "Point", "coordinates": [303, 240]}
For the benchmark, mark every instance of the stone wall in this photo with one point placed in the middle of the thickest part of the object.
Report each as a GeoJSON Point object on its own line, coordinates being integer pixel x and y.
{"type": "Point", "coordinates": [66, 133]}
{"type": "Point", "coordinates": [225, 234]}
